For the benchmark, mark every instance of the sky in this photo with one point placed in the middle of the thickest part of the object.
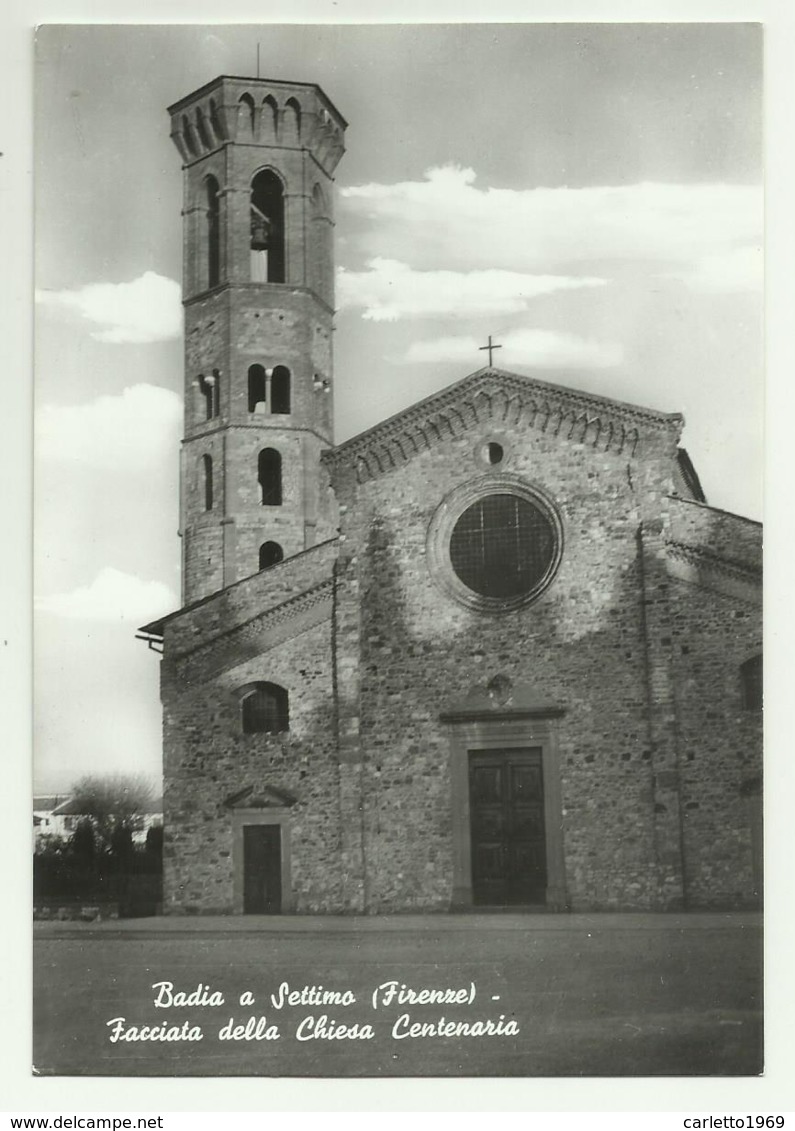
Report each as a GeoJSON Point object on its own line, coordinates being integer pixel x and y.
{"type": "Point", "coordinates": [590, 195]}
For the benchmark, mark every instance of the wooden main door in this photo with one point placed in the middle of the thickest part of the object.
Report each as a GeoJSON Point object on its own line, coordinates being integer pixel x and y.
{"type": "Point", "coordinates": [262, 869]}
{"type": "Point", "coordinates": [506, 807]}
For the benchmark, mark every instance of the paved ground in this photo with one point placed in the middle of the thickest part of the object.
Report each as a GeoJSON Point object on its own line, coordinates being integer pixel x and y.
{"type": "Point", "coordinates": [593, 995]}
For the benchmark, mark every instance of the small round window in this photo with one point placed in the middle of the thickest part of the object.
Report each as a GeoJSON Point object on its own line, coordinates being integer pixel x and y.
{"type": "Point", "coordinates": [495, 544]}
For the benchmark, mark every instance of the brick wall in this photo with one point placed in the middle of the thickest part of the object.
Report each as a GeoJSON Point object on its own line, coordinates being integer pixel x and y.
{"type": "Point", "coordinates": [581, 646]}
{"type": "Point", "coordinates": [208, 759]}
{"type": "Point", "coordinates": [203, 624]}
{"type": "Point", "coordinates": [720, 741]}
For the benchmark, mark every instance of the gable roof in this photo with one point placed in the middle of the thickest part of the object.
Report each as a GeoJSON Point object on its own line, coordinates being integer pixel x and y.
{"type": "Point", "coordinates": [71, 807]}
{"type": "Point", "coordinates": [487, 394]}
{"type": "Point", "coordinates": [45, 803]}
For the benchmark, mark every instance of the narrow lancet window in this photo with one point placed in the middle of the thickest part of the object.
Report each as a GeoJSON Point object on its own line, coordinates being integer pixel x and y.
{"type": "Point", "coordinates": [207, 469]}
{"type": "Point", "coordinates": [267, 228]}
{"type": "Point", "coordinates": [270, 477]}
{"type": "Point", "coordinates": [213, 232]}
{"type": "Point", "coordinates": [280, 390]}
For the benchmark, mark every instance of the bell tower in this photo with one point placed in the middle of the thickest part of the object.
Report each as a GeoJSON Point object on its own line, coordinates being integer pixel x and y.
{"type": "Point", "coordinates": [258, 292]}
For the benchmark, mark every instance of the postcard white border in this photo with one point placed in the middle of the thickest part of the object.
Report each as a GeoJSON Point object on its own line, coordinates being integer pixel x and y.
{"type": "Point", "coordinates": [773, 1092]}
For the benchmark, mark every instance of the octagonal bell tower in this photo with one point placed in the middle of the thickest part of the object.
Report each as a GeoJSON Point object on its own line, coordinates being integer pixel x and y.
{"type": "Point", "coordinates": [258, 292]}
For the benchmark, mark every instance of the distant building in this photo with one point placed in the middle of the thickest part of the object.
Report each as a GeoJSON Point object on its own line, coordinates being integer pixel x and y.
{"type": "Point", "coordinates": [44, 823]}
{"type": "Point", "coordinates": [59, 816]}
{"type": "Point", "coordinates": [495, 651]}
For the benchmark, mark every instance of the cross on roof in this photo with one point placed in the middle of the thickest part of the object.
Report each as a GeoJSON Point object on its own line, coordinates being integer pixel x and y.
{"type": "Point", "coordinates": [490, 348]}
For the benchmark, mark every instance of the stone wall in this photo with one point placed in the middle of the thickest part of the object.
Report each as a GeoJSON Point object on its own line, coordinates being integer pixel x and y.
{"type": "Point", "coordinates": [638, 666]}
{"type": "Point", "coordinates": [720, 743]}
{"type": "Point", "coordinates": [596, 643]}
{"type": "Point", "coordinates": [728, 536]}
{"type": "Point", "coordinates": [579, 646]}
{"type": "Point", "coordinates": [209, 759]}
{"type": "Point", "coordinates": [227, 332]}
{"type": "Point", "coordinates": [238, 323]}
{"type": "Point", "coordinates": [208, 621]}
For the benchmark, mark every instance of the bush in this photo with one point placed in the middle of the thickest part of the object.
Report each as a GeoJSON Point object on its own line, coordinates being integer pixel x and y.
{"type": "Point", "coordinates": [154, 840]}
{"type": "Point", "coordinates": [74, 870]}
{"type": "Point", "coordinates": [83, 843]}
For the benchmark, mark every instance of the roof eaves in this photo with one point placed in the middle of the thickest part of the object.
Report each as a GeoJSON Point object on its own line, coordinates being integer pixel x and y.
{"type": "Point", "coordinates": [411, 412]}
{"type": "Point", "coordinates": [175, 107]}
{"type": "Point", "coordinates": [155, 627]}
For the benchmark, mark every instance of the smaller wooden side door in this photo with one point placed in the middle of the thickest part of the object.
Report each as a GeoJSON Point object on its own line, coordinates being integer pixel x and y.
{"type": "Point", "coordinates": [262, 869]}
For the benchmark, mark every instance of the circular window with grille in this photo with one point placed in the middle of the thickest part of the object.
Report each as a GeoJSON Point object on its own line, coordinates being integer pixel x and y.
{"type": "Point", "coordinates": [495, 544]}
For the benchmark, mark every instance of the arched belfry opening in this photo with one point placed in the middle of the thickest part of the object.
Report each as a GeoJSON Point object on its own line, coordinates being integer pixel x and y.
{"type": "Point", "coordinates": [280, 390]}
{"type": "Point", "coordinates": [212, 232]}
{"type": "Point", "coordinates": [208, 392]}
{"type": "Point", "coordinates": [267, 228]}
{"type": "Point", "coordinates": [256, 388]}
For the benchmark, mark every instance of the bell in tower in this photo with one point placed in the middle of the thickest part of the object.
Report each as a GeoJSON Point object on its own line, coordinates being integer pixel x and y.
{"type": "Point", "coordinates": [258, 292]}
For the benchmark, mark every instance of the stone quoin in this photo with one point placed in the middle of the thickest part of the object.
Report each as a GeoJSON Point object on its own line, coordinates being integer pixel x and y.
{"type": "Point", "coordinates": [494, 651]}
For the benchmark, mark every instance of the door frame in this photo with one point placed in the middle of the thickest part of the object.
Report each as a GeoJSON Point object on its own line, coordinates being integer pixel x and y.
{"type": "Point", "coordinates": [270, 816]}
{"type": "Point", "coordinates": [507, 730]}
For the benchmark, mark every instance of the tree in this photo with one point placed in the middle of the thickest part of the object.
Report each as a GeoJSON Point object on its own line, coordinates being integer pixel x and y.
{"type": "Point", "coordinates": [83, 840]}
{"type": "Point", "coordinates": [154, 840]}
{"type": "Point", "coordinates": [116, 804]}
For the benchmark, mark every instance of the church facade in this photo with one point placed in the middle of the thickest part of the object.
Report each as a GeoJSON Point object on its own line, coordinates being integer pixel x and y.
{"type": "Point", "coordinates": [494, 651]}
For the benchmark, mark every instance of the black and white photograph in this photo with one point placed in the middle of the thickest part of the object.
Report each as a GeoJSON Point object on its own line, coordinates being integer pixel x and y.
{"type": "Point", "coordinates": [398, 456]}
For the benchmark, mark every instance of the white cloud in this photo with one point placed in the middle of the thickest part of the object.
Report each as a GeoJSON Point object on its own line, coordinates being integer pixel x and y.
{"type": "Point", "coordinates": [146, 310]}
{"type": "Point", "coordinates": [112, 596]}
{"type": "Point", "coordinates": [732, 272]}
{"type": "Point", "coordinates": [133, 431]}
{"type": "Point", "coordinates": [446, 221]}
{"type": "Point", "coordinates": [390, 290]}
{"type": "Point", "coordinates": [531, 348]}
